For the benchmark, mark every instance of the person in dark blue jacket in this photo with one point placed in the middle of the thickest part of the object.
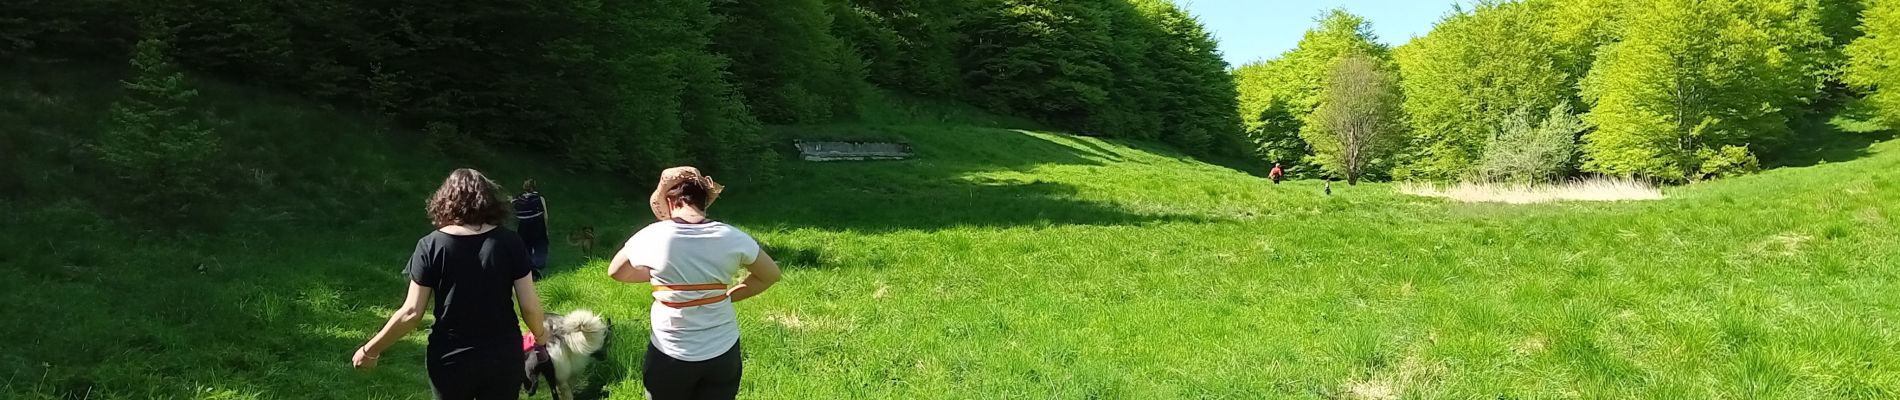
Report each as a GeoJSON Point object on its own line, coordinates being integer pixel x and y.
{"type": "Point", "coordinates": [531, 217]}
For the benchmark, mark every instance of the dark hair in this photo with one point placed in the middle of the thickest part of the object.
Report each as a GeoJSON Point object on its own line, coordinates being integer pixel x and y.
{"type": "Point", "coordinates": [692, 192]}
{"type": "Point", "coordinates": [527, 185]}
{"type": "Point", "coordinates": [467, 198]}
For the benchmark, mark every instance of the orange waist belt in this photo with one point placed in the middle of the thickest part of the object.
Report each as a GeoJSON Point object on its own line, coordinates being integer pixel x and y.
{"type": "Point", "coordinates": [694, 302]}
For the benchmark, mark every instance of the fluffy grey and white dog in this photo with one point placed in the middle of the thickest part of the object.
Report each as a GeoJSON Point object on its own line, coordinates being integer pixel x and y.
{"type": "Point", "coordinates": [572, 341]}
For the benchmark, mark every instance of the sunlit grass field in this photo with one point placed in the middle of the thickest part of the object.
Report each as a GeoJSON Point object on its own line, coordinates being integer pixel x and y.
{"type": "Point", "coordinates": [1000, 263]}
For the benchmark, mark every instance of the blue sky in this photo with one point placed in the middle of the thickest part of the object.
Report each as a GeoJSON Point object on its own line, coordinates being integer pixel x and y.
{"type": "Point", "coordinates": [1260, 29]}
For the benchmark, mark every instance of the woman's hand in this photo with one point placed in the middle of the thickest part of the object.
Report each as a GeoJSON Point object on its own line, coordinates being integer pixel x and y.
{"type": "Point", "coordinates": [363, 359]}
{"type": "Point", "coordinates": [400, 323]}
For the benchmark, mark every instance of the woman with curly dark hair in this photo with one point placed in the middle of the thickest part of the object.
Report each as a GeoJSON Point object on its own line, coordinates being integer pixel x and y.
{"type": "Point", "coordinates": [475, 272]}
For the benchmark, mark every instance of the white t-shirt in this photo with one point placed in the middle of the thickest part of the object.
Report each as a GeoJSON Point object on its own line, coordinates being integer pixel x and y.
{"type": "Point", "coordinates": [687, 254]}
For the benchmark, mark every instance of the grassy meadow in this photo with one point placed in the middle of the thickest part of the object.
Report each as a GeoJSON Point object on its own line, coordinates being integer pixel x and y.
{"type": "Point", "coordinates": [1001, 263]}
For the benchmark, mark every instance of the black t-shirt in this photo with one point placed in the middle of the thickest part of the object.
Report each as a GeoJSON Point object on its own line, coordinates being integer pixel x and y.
{"type": "Point", "coordinates": [473, 279]}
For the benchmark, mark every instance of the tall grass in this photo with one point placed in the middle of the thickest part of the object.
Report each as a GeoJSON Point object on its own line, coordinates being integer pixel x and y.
{"type": "Point", "coordinates": [1583, 189]}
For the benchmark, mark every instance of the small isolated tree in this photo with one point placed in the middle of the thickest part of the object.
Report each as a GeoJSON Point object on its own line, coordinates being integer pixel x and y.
{"type": "Point", "coordinates": [1357, 118]}
{"type": "Point", "coordinates": [163, 151]}
{"type": "Point", "coordinates": [1523, 150]}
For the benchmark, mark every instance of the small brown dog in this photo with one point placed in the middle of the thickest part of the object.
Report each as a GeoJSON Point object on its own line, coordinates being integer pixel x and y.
{"type": "Point", "coordinates": [585, 239]}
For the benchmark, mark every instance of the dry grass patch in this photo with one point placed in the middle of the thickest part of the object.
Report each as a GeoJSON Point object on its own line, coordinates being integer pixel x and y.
{"type": "Point", "coordinates": [1787, 244]}
{"type": "Point", "coordinates": [1593, 189]}
{"type": "Point", "coordinates": [798, 322]}
{"type": "Point", "coordinates": [1405, 380]}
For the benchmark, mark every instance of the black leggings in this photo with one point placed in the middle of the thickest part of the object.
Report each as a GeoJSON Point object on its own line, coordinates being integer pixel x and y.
{"type": "Point", "coordinates": [668, 378]}
{"type": "Point", "coordinates": [494, 374]}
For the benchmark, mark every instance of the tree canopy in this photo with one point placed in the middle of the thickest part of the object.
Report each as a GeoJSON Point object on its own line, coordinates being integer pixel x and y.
{"type": "Point", "coordinates": [1472, 73]}
{"type": "Point", "coordinates": [633, 86]}
{"type": "Point", "coordinates": [1694, 85]}
{"type": "Point", "coordinates": [1280, 95]}
{"type": "Point", "coordinates": [1875, 58]}
{"type": "Point", "coordinates": [1673, 90]}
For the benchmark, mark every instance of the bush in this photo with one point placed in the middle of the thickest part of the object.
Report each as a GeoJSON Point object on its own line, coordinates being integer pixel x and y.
{"type": "Point", "coordinates": [1523, 152]}
{"type": "Point", "coordinates": [164, 153]}
{"type": "Point", "coordinates": [1726, 162]}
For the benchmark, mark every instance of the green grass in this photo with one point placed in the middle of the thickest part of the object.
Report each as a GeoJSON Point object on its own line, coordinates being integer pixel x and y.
{"type": "Point", "coordinates": [999, 264]}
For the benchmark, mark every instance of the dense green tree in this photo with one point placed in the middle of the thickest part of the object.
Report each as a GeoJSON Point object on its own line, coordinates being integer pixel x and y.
{"type": "Point", "coordinates": [652, 93]}
{"type": "Point", "coordinates": [237, 38]}
{"type": "Point", "coordinates": [1470, 75]}
{"type": "Point", "coordinates": [631, 86]}
{"type": "Point", "coordinates": [1269, 121]}
{"type": "Point", "coordinates": [1197, 93]}
{"type": "Point", "coordinates": [1840, 19]}
{"type": "Point", "coordinates": [100, 29]}
{"type": "Point", "coordinates": [1874, 64]}
{"type": "Point", "coordinates": [1038, 58]}
{"type": "Point", "coordinates": [1138, 88]}
{"type": "Point", "coordinates": [1338, 34]}
{"type": "Point", "coordinates": [1104, 67]}
{"type": "Point", "coordinates": [593, 80]}
{"type": "Point", "coordinates": [1583, 25]}
{"type": "Point", "coordinates": [1277, 97]}
{"type": "Point", "coordinates": [1839, 22]}
{"type": "Point", "coordinates": [786, 60]}
{"type": "Point", "coordinates": [907, 45]}
{"type": "Point", "coordinates": [1689, 78]}
{"type": "Point", "coordinates": [1677, 89]}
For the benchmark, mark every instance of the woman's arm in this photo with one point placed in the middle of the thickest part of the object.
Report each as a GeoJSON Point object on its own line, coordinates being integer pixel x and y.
{"type": "Point", "coordinates": [762, 273]}
{"type": "Point", "coordinates": [622, 269]}
{"type": "Point", "coordinates": [400, 323]}
{"type": "Point", "coordinates": [531, 313]}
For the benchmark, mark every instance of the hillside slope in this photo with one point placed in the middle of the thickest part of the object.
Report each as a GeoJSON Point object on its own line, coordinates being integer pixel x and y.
{"type": "Point", "coordinates": [1001, 263]}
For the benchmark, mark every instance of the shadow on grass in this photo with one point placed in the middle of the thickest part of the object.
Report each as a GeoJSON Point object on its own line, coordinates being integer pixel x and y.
{"type": "Point", "coordinates": [798, 257]}
{"type": "Point", "coordinates": [946, 206]}
{"type": "Point", "coordinates": [1089, 147]}
{"type": "Point", "coordinates": [184, 324]}
{"type": "Point", "coordinates": [937, 189]}
{"type": "Point", "coordinates": [1843, 136]}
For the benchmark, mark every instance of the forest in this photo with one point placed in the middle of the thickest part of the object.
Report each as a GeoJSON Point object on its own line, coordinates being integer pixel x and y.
{"type": "Point", "coordinates": [1539, 90]}
{"type": "Point", "coordinates": [1536, 90]}
{"type": "Point", "coordinates": [631, 86]}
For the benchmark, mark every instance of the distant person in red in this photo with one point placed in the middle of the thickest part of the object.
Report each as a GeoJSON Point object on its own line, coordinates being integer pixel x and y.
{"type": "Point", "coordinates": [1276, 174]}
